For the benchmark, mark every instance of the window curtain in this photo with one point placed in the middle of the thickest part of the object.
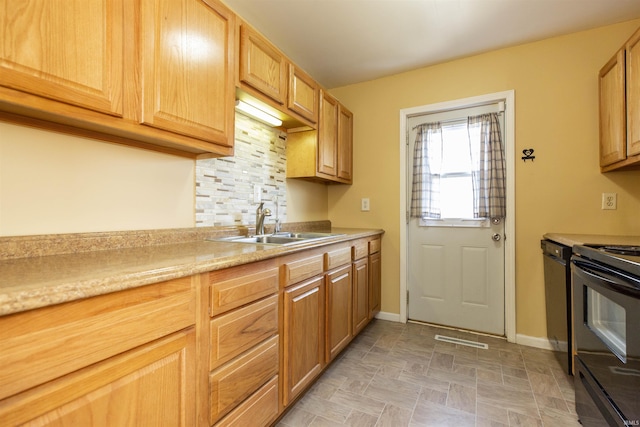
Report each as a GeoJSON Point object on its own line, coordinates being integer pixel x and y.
{"type": "Point", "coordinates": [427, 163]}
{"type": "Point", "coordinates": [488, 167]}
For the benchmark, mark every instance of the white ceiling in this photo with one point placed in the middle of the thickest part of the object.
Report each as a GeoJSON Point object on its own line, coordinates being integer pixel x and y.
{"type": "Point", "coordinates": [340, 42]}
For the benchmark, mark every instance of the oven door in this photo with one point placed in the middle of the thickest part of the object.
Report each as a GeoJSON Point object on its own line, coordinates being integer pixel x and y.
{"type": "Point", "coordinates": [607, 338]}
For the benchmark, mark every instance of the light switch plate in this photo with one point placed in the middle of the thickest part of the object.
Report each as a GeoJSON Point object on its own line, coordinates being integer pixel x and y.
{"type": "Point", "coordinates": [609, 201]}
{"type": "Point", "coordinates": [364, 205]}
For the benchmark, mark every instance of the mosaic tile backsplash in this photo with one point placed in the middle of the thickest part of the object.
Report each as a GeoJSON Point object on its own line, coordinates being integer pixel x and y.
{"type": "Point", "coordinates": [225, 186]}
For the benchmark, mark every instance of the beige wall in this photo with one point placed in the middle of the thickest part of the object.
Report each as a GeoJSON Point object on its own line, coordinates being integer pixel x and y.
{"type": "Point", "coordinates": [55, 183]}
{"type": "Point", "coordinates": [555, 83]}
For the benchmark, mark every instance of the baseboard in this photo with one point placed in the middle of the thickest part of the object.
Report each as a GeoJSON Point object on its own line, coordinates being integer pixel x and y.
{"type": "Point", "coordinates": [543, 343]}
{"type": "Point", "coordinates": [392, 317]}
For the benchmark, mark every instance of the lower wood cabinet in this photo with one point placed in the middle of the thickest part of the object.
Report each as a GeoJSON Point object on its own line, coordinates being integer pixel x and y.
{"type": "Point", "coordinates": [303, 335]}
{"type": "Point", "coordinates": [126, 358]}
{"type": "Point", "coordinates": [339, 309]}
{"type": "Point", "coordinates": [360, 294]}
{"type": "Point", "coordinates": [375, 277]}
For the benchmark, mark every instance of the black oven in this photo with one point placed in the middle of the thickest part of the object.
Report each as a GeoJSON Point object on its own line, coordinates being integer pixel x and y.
{"type": "Point", "coordinates": [606, 298]}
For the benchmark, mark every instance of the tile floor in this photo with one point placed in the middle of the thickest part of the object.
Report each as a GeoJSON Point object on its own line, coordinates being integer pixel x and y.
{"type": "Point", "coordinates": [396, 375]}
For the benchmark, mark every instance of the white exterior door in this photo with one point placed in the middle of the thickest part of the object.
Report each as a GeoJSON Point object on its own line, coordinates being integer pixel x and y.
{"type": "Point", "coordinates": [455, 264]}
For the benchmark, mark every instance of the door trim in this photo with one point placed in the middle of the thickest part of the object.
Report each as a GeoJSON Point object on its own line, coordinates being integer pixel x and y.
{"type": "Point", "coordinates": [508, 97]}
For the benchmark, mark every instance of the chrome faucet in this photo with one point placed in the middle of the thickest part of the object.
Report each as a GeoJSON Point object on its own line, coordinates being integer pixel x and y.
{"type": "Point", "coordinates": [260, 214]}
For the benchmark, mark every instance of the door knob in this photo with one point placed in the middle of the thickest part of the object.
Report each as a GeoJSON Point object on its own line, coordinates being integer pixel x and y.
{"type": "Point", "coordinates": [496, 237]}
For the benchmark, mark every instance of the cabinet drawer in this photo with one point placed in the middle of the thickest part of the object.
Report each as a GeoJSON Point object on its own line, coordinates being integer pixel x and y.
{"type": "Point", "coordinates": [374, 246]}
{"type": "Point", "coordinates": [238, 379]}
{"type": "Point", "coordinates": [258, 410]}
{"type": "Point", "coordinates": [40, 345]}
{"type": "Point", "coordinates": [239, 330]}
{"type": "Point", "coordinates": [337, 258]}
{"type": "Point", "coordinates": [242, 288]}
{"type": "Point", "coordinates": [360, 249]}
{"type": "Point", "coordinates": [297, 271]}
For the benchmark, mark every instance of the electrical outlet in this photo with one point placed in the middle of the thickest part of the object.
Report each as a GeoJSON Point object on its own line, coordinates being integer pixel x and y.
{"type": "Point", "coordinates": [364, 204]}
{"type": "Point", "coordinates": [609, 201]}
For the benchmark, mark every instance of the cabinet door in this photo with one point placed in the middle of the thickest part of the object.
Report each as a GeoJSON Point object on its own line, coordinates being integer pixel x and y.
{"type": "Point", "coordinates": [339, 306]}
{"type": "Point", "coordinates": [328, 136]}
{"type": "Point", "coordinates": [633, 95]}
{"type": "Point", "coordinates": [375, 282]}
{"type": "Point", "coordinates": [67, 51]}
{"type": "Point", "coordinates": [187, 68]}
{"type": "Point", "coordinates": [303, 94]}
{"type": "Point", "coordinates": [303, 336]}
{"type": "Point", "coordinates": [360, 292]}
{"type": "Point", "coordinates": [345, 144]}
{"type": "Point", "coordinates": [612, 111]}
{"type": "Point", "coordinates": [262, 66]}
{"type": "Point", "coordinates": [150, 385]}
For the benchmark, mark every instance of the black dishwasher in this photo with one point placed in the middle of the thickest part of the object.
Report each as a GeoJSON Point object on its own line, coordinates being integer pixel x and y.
{"type": "Point", "coordinates": [557, 288]}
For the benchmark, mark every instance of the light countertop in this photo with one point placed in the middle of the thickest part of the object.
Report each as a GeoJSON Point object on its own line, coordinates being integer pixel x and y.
{"type": "Point", "coordinates": [34, 282]}
{"type": "Point", "coordinates": [594, 239]}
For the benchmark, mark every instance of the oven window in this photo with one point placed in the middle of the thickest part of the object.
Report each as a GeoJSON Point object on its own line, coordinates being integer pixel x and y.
{"type": "Point", "coordinates": [608, 321]}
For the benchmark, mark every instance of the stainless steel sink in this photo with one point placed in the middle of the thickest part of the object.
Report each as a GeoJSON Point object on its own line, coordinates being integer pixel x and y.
{"type": "Point", "coordinates": [284, 238]}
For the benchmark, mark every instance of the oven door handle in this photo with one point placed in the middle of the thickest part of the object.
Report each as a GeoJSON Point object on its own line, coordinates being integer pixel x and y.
{"type": "Point", "coordinates": [614, 280]}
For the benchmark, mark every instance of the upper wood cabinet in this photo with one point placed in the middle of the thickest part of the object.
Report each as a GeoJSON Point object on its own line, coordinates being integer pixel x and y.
{"type": "Point", "coordinates": [155, 74]}
{"type": "Point", "coordinates": [619, 92]}
{"type": "Point", "coordinates": [187, 66]}
{"type": "Point", "coordinates": [324, 154]}
{"type": "Point", "coordinates": [66, 51]}
{"type": "Point", "coordinates": [303, 94]}
{"type": "Point", "coordinates": [262, 66]}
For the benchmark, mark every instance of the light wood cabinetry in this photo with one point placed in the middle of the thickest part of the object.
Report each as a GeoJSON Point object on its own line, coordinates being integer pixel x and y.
{"type": "Point", "coordinates": [339, 311]}
{"type": "Point", "coordinates": [619, 97]}
{"type": "Point", "coordinates": [375, 277]}
{"type": "Point", "coordinates": [360, 295]}
{"type": "Point", "coordinates": [65, 51]}
{"type": "Point", "coordinates": [303, 335]}
{"type": "Point", "coordinates": [186, 66]}
{"type": "Point", "coordinates": [262, 65]}
{"type": "Point", "coordinates": [244, 343]}
{"type": "Point", "coordinates": [97, 361]}
{"type": "Point", "coordinates": [303, 94]}
{"type": "Point", "coordinates": [324, 154]}
{"type": "Point", "coordinates": [156, 74]}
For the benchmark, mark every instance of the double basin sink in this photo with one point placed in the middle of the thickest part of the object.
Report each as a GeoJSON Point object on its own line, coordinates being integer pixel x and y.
{"type": "Point", "coordinates": [284, 238]}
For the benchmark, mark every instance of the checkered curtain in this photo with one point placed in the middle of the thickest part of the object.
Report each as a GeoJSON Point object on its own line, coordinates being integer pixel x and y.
{"type": "Point", "coordinates": [427, 163]}
{"type": "Point", "coordinates": [488, 174]}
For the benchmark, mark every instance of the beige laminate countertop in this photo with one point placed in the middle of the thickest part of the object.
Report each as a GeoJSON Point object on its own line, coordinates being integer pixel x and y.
{"type": "Point", "coordinates": [593, 239]}
{"type": "Point", "coordinates": [34, 282]}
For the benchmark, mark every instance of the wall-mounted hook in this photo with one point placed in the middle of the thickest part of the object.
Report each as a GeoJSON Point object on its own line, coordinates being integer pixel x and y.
{"type": "Point", "coordinates": [528, 154]}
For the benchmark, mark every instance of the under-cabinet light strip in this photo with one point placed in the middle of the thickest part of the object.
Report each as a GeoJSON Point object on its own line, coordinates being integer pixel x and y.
{"type": "Point", "coordinates": [258, 114]}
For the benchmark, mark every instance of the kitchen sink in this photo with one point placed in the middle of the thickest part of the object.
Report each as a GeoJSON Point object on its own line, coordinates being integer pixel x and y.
{"type": "Point", "coordinates": [284, 238]}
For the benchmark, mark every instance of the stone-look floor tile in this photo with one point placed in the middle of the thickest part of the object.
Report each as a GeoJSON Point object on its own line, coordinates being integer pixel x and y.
{"type": "Point", "coordinates": [553, 418]}
{"type": "Point", "coordinates": [398, 375]}
{"type": "Point", "coordinates": [442, 361]}
{"type": "Point", "coordinates": [545, 385]}
{"type": "Point", "coordinates": [462, 398]}
{"type": "Point", "coordinates": [359, 402]}
{"type": "Point", "coordinates": [297, 417]}
{"type": "Point", "coordinates": [520, 401]}
{"type": "Point", "coordinates": [323, 408]}
{"type": "Point", "coordinates": [520, 420]}
{"type": "Point", "coordinates": [399, 393]}
{"type": "Point", "coordinates": [440, 416]}
{"type": "Point", "coordinates": [489, 375]}
{"type": "Point", "coordinates": [361, 419]}
{"type": "Point", "coordinates": [429, 395]}
{"type": "Point", "coordinates": [324, 422]}
{"type": "Point", "coordinates": [394, 416]}
{"type": "Point", "coordinates": [494, 413]}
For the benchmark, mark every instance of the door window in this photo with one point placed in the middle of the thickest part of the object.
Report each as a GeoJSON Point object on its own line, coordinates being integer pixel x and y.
{"type": "Point", "coordinates": [607, 320]}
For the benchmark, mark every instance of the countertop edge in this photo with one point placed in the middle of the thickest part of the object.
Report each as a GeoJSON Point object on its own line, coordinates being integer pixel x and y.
{"type": "Point", "coordinates": [16, 300]}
